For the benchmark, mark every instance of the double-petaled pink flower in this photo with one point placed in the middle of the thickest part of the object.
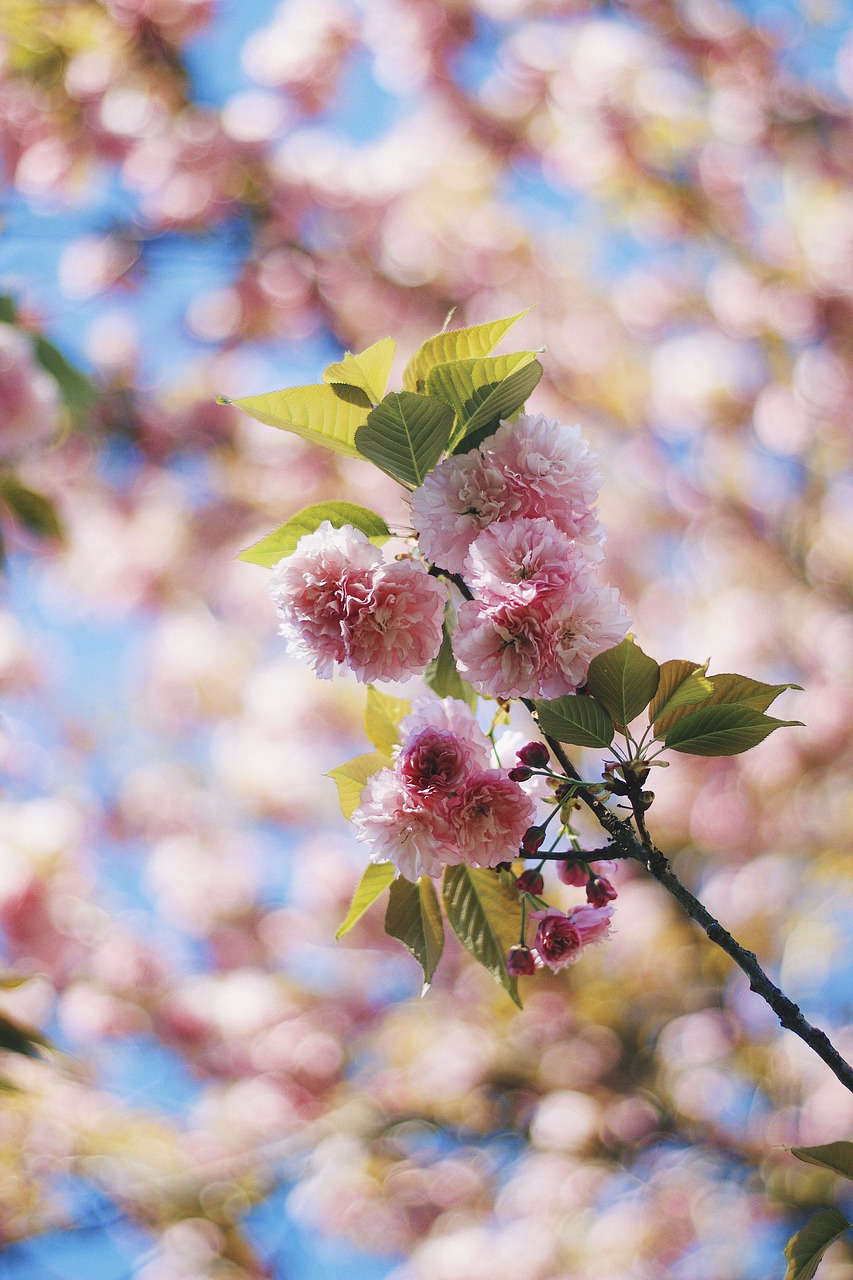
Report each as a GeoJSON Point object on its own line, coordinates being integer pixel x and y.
{"type": "Point", "coordinates": [342, 605]}
{"type": "Point", "coordinates": [561, 936]}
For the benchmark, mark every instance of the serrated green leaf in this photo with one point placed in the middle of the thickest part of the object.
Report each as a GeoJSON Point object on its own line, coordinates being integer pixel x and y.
{"type": "Point", "coordinates": [382, 719]}
{"type": "Point", "coordinates": [455, 344]}
{"type": "Point", "coordinates": [17, 1037]}
{"type": "Point", "coordinates": [722, 730]}
{"type": "Point", "coordinates": [583, 722]}
{"type": "Point", "coordinates": [369, 370]}
{"type": "Point", "coordinates": [351, 777]}
{"type": "Point", "coordinates": [805, 1250]}
{"type": "Point", "coordinates": [77, 391]}
{"type": "Point", "coordinates": [406, 435]}
{"type": "Point", "coordinates": [442, 674]}
{"type": "Point", "coordinates": [729, 688]}
{"type": "Point", "coordinates": [374, 882]}
{"type": "Point", "coordinates": [485, 915]}
{"type": "Point", "coordinates": [483, 390]}
{"type": "Point", "coordinates": [283, 540]}
{"type": "Point", "coordinates": [414, 917]}
{"type": "Point", "coordinates": [33, 510]}
{"type": "Point", "coordinates": [624, 680]}
{"type": "Point", "coordinates": [682, 684]}
{"type": "Point", "coordinates": [326, 415]}
{"type": "Point", "coordinates": [836, 1156]}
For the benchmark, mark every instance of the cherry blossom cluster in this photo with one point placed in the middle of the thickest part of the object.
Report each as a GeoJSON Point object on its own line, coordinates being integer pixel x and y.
{"type": "Point", "coordinates": [560, 938]}
{"type": "Point", "coordinates": [517, 520]}
{"type": "Point", "coordinates": [442, 803]}
{"type": "Point", "coordinates": [342, 605]}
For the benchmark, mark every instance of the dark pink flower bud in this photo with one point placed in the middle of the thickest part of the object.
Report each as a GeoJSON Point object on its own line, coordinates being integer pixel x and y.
{"type": "Point", "coordinates": [599, 891]}
{"type": "Point", "coordinates": [574, 873]}
{"type": "Point", "coordinates": [520, 962]}
{"type": "Point", "coordinates": [520, 773]}
{"type": "Point", "coordinates": [535, 754]}
{"type": "Point", "coordinates": [530, 882]}
{"type": "Point", "coordinates": [532, 839]}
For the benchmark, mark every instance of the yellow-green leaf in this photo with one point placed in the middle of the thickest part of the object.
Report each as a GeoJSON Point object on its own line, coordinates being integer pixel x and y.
{"type": "Point", "coordinates": [805, 1250]}
{"type": "Point", "coordinates": [414, 917]}
{"type": "Point", "coordinates": [33, 510]}
{"type": "Point", "coordinates": [725, 730]}
{"type": "Point", "coordinates": [837, 1156]}
{"type": "Point", "coordinates": [682, 684]}
{"type": "Point", "coordinates": [483, 391]}
{"type": "Point", "coordinates": [351, 777]}
{"type": "Point", "coordinates": [369, 370]}
{"type": "Point", "coordinates": [382, 719]}
{"type": "Point", "coordinates": [729, 688]}
{"type": "Point", "coordinates": [326, 415]}
{"type": "Point", "coordinates": [485, 915]}
{"type": "Point", "coordinates": [624, 680]}
{"type": "Point", "coordinates": [455, 344]}
{"type": "Point", "coordinates": [372, 885]}
{"type": "Point", "coordinates": [284, 540]}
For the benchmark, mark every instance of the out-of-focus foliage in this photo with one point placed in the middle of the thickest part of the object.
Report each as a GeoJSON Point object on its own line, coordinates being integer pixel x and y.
{"type": "Point", "coordinates": [674, 190]}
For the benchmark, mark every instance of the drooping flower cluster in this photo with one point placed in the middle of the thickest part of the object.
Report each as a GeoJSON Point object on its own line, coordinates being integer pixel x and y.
{"type": "Point", "coordinates": [516, 519]}
{"type": "Point", "coordinates": [341, 604]}
{"type": "Point", "coordinates": [442, 803]}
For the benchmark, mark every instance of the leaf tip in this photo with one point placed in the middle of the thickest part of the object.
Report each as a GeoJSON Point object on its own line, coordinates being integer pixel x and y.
{"type": "Point", "coordinates": [223, 400]}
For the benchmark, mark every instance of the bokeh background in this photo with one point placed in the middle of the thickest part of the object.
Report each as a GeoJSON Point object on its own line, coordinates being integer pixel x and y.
{"type": "Point", "coordinates": [204, 199]}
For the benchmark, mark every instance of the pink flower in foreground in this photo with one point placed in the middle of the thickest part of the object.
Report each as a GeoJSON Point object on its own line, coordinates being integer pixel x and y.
{"type": "Point", "coordinates": [341, 605]}
{"type": "Point", "coordinates": [504, 651]}
{"type": "Point", "coordinates": [560, 938]}
{"type": "Point", "coordinates": [522, 560]}
{"type": "Point", "coordinates": [489, 817]}
{"type": "Point", "coordinates": [434, 762]}
{"type": "Point", "coordinates": [459, 497]}
{"type": "Point", "coordinates": [452, 716]}
{"type": "Point", "coordinates": [401, 829]}
{"type": "Point", "coordinates": [586, 624]}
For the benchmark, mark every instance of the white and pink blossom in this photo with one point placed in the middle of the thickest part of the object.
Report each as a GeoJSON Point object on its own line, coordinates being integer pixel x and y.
{"type": "Point", "coordinates": [460, 497]}
{"type": "Point", "coordinates": [400, 828]}
{"type": "Point", "coordinates": [455, 717]}
{"type": "Point", "coordinates": [587, 623]}
{"type": "Point", "coordinates": [503, 652]}
{"type": "Point", "coordinates": [522, 560]}
{"type": "Point", "coordinates": [489, 817]}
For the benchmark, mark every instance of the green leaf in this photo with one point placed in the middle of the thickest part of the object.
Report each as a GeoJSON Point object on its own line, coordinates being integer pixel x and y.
{"type": "Point", "coordinates": [351, 777]}
{"type": "Point", "coordinates": [382, 719]}
{"type": "Point", "coordinates": [805, 1250]}
{"type": "Point", "coordinates": [414, 917]}
{"type": "Point", "coordinates": [283, 540]}
{"type": "Point", "coordinates": [485, 915]}
{"type": "Point", "coordinates": [455, 344]}
{"type": "Point", "coordinates": [730, 688]}
{"type": "Point", "coordinates": [442, 674]}
{"type": "Point", "coordinates": [369, 371]}
{"type": "Point", "coordinates": [682, 684]}
{"type": "Point", "coordinates": [33, 510]}
{"type": "Point", "coordinates": [837, 1156]}
{"type": "Point", "coordinates": [327, 416]}
{"type": "Point", "coordinates": [374, 882]}
{"type": "Point", "coordinates": [624, 680]}
{"type": "Point", "coordinates": [581, 721]}
{"type": "Point", "coordinates": [406, 435]}
{"type": "Point", "coordinates": [8, 310]}
{"type": "Point", "coordinates": [16, 1037]}
{"type": "Point", "coordinates": [78, 393]}
{"type": "Point", "coordinates": [722, 730]}
{"type": "Point", "coordinates": [484, 390]}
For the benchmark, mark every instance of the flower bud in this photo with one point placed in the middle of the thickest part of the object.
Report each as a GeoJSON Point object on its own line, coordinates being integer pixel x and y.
{"type": "Point", "coordinates": [520, 962]}
{"type": "Point", "coordinates": [530, 882]}
{"type": "Point", "coordinates": [599, 891]}
{"type": "Point", "coordinates": [520, 773]}
{"type": "Point", "coordinates": [535, 754]}
{"type": "Point", "coordinates": [532, 839]}
{"type": "Point", "coordinates": [573, 873]}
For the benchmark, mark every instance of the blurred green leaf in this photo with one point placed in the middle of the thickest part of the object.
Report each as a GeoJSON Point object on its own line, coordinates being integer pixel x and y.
{"type": "Point", "coordinates": [722, 730]}
{"type": "Point", "coordinates": [17, 1037]}
{"type": "Point", "coordinates": [77, 391]}
{"type": "Point", "coordinates": [351, 777]}
{"type": "Point", "coordinates": [414, 916]}
{"type": "Point", "coordinates": [624, 680]}
{"type": "Point", "coordinates": [406, 435]}
{"type": "Point", "coordinates": [382, 718]}
{"type": "Point", "coordinates": [369, 370]}
{"type": "Point", "coordinates": [374, 882]}
{"type": "Point", "coordinates": [283, 540]}
{"type": "Point", "coordinates": [581, 721]}
{"type": "Point", "coordinates": [8, 310]}
{"type": "Point", "coordinates": [455, 344]}
{"type": "Point", "coordinates": [324, 415]}
{"type": "Point", "coordinates": [485, 915]}
{"type": "Point", "coordinates": [805, 1250]}
{"type": "Point", "coordinates": [33, 510]}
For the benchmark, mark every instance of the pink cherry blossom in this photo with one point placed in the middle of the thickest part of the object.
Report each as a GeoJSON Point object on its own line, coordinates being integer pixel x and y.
{"type": "Point", "coordinates": [586, 624]}
{"type": "Point", "coordinates": [453, 716]}
{"type": "Point", "coordinates": [561, 937]}
{"type": "Point", "coordinates": [341, 605]}
{"type": "Point", "coordinates": [459, 498]}
{"type": "Point", "coordinates": [418, 839]}
{"type": "Point", "coordinates": [503, 652]}
{"type": "Point", "coordinates": [434, 762]}
{"type": "Point", "coordinates": [575, 873]}
{"type": "Point", "coordinates": [489, 818]}
{"type": "Point", "coordinates": [524, 559]}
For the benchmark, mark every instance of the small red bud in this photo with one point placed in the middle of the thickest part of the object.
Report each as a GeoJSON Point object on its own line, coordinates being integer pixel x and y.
{"type": "Point", "coordinates": [532, 839]}
{"type": "Point", "coordinates": [520, 773]}
{"type": "Point", "coordinates": [520, 962]}
{"type": "Point", "coordinates": [535, 754]}
{"type": "Point", "coordinates": [530, 882]}
{"type": "Point", "coordinates": [599, 891]}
